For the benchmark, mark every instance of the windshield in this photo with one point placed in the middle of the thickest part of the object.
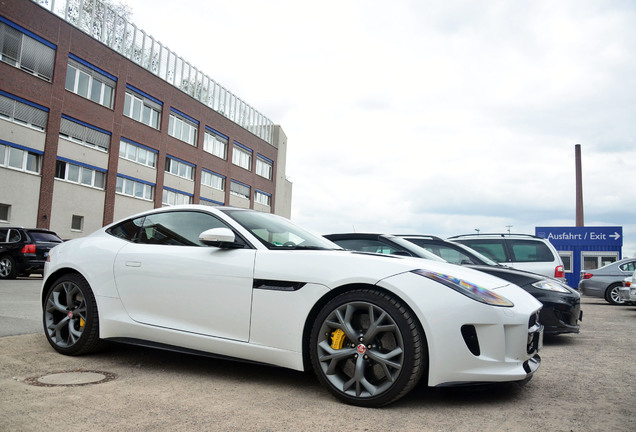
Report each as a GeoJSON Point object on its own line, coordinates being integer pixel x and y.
{"type": "Point", "coordinates": [415, 249]}
{"type": "Point", "coordinates": [278, 233]}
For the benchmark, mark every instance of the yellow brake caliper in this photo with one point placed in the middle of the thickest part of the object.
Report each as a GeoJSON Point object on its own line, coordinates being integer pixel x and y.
{"type": "Point", "coordinates": [337, 339]}
{"type": "Point", "coordinates": [82, 322]}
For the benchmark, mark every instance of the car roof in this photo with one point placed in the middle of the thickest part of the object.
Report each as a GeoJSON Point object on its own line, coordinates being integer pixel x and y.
{"type": "Point", "coordinates": [495, 235]}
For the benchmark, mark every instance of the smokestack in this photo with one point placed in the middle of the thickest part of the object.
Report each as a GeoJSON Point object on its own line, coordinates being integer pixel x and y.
{"type": "Point", "coordinates": [579, 186]}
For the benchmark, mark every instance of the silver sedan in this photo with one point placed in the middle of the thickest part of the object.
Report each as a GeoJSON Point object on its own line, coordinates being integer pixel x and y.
{"type": "Point", "coordinates": [606, 281]}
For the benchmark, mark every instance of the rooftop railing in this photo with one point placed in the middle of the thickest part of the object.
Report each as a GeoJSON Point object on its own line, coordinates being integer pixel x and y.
{"type": "Point", "coordinates": [106, 25]}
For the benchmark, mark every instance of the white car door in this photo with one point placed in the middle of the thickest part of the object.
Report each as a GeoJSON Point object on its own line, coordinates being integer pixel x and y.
{"type": "Point", "coordinates": [171, 280]}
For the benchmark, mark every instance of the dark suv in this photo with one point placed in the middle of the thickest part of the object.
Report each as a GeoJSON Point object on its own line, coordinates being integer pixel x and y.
{"type": "Point", "coordinates": [23, 250]}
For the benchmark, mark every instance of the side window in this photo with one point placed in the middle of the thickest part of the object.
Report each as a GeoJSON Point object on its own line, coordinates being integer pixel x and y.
{"type": "Point", "coordinates": [14, 236]}
{"type": "Point", "coordinates": [628, 267]}
{"type": "Point", "coordinates": [530, 251]}
{"type": "Point", "coordinates": [3, 235]}
{"type": "Point", "coordinates": [178, 228]}
{"type": "Point", "coordinates": [373, 246]}
{"type": "Point", "coordinates": [128, 230]}
{"type": "Point", "coordinates": [493, 249]}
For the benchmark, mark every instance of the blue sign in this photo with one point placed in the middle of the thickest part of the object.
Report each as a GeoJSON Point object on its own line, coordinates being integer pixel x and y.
{"type": "Point", "coordinates": [582, 236]}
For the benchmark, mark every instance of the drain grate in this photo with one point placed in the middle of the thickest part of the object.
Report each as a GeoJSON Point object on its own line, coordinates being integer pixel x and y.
{"type": "Point", "coordinates": [74, 378]}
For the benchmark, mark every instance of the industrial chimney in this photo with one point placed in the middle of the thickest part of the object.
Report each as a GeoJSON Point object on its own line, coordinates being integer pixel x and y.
{"type": "Point", "coordinates": [579, 186]}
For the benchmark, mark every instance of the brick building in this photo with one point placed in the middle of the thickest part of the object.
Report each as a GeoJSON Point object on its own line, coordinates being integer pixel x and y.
{"type": "Point", "coordinates": [99, 121]}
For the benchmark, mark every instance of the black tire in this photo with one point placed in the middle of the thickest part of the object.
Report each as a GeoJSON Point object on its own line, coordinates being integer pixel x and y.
{"type": "Point", "coordinates": [8, 269]}
{"type": "Point", "coordinates": [612, 295]}
{"type": "Point", "coordinates": [367, 348]}
{"type": "Point", "coordinates": [71, 321]}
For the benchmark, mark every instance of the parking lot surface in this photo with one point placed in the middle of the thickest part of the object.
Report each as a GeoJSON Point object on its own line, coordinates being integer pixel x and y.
{"type": "Point", "coordinates": [586, 383]}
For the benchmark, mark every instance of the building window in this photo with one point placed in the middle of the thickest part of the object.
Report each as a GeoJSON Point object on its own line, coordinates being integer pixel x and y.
{"type": "Point", "coordinates": [90, 82]}
{"type": "Point", "coordinates": [80, 173]}
{"type": "Point", "coordinates": [242, 156]}
{"type": "Point", "coordinates": [175, 197]}
{"type": "Point", "coordinates": [566, 257]}
{"type": "Point", "coordinates": [135, 188]}
{"type": "Point", "coordinates": [182, 127]}
{"type": "Point", "coordinates": [77, 223]}
{"type": "Point", "coordinates": [263, 198]}
{"type": "Point", "coordinates": [137, 153]}
{"type": "Point", "coordinates": [179, 168]}
{"type": "Point", "coordinates": [5, 212]}
{"type": "Point", "coordinates": [264, 167]}
{"type": "Point", "coordinates": [213, 180]}
{"type": "Point", "coordinates": [20, 158]}
{"type": "Point", "coordinates": [85, 134]}
{"type": "Point", "coordinates": [142, 107]}
{"type": "Point", "coordinates": [25, 50]}
{"type": "Point", "coordinates": [240, 189]}
{"type": "Point", "coordinates": [215, 142]}
{"type": "Point", "coordinates": [23, 112]}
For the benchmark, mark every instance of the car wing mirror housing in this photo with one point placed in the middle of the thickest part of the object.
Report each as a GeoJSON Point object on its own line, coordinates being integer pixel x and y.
{"type": "Point", "coordinates": [222, 238]}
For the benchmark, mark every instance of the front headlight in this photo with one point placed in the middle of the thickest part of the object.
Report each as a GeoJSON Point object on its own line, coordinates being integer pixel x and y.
{"type": "Point", "coordinates": [550, 286]}
{"type": "Point", "coordinates": [466, 288]}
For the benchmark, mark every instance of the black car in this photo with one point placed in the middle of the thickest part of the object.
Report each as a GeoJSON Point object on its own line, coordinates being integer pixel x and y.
{"type": "Point", "coordinates": [561, 311]}
{"type": "Point", "coordinates": [23, 251]}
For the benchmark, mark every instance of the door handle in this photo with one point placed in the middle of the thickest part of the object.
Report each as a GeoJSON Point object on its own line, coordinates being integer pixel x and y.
{"type": "Point", "coordinates": [133, 263]}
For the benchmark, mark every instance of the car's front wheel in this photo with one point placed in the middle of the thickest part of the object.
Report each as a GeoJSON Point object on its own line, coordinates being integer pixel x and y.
{"type": "Point", "coordinates": [7, 268]}
{"type": "Point", "coordinates": [612, 295]}
{"type": "Point", "coordinates": [71, 322]}
{"type": "Point", "coordinates": [367, 348]}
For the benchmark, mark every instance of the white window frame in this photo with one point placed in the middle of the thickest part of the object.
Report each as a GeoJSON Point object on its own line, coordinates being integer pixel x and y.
{"type": "Point", "coordinates": [79, 70]}
{"type": "Point", "coordinates": [146, 105]}
{"type": "Point", "coordinates": [213, 180]}
{"type": "Point", "coordinates": [215, 143]}
{"type": "Point", "coordinates": [130, 187]}
{"type": "Point", "coordinates": [264, 167]}
{"type": "Point", "coordinates": [172, 197]}
{"type": "Point", "coordinates": [5, 209]}
{"type": "Point", "coordinates": [81, 223]}
{"type": "Point", "coordinates": [241, 157]}
{"type": "Point", "coordinates": [177, 167]}
{"type": "Point", "coordinates": [27, 156]}
{"type": "Point", "coordinates": [262, 198]}
{"type": "Point", "coordinates": [126, 148]}
{"type": "Point", "coordinates": [82, 172]}
{"type": "Point", "coordinates": [183, 129]}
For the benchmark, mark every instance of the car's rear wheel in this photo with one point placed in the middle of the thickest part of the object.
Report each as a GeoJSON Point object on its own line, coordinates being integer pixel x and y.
{"type": "Point", "coordinates": [71, 322]}
{"type": "Point", "coordinates": [7, 268]}
{"type": "Point", "coordinates": [612, 295]}
{"type": "Point", "coordinates": [367, 348]}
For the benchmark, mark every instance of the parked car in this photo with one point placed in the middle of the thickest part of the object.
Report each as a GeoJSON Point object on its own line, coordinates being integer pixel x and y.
{"type": "Point", "coordinates": [521, 251]}
{"type": "Point", "coordinates": [561, 310]}
{"type": "Point", "coordinates": [628, 290]}
{"type": "Point", "coordinates": [606, 281]}
{"type": "Point", "coordinates": [23, 251]}
{"type": "Point", "coordinates": [253, 286]}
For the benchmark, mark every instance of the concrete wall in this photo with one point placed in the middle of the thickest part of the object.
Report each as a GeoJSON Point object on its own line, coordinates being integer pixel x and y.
{"type": "Point", "coordinates": [127, 206]}
{"type": "Point", "coordinates": [72, 199]}
{"type": "Point", "coordinates": [20, 190]}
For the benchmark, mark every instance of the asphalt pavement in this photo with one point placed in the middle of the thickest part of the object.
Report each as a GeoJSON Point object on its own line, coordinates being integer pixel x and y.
{"type": "Point", "coordinates": [585, 383]}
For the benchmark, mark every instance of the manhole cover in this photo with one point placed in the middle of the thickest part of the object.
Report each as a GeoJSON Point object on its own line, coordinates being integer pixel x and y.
{"type": "Point", "coordinates": [71, 378]}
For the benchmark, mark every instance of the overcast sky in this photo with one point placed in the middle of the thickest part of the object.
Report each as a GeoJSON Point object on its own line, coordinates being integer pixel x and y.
{"type": "Point", "coordinates": [430, 117]}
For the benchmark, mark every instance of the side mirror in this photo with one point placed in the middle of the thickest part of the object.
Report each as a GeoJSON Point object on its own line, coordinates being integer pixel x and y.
{"type": "Point", "coordinates": [219, 237]}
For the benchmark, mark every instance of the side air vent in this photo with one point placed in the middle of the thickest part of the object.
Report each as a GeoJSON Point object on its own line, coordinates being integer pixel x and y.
{"type": "Point", "coordinates": [470, 337]}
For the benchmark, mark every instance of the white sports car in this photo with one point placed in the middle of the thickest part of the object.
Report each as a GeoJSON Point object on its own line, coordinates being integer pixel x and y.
{"type": "Point", "coordinates": [253, 286]}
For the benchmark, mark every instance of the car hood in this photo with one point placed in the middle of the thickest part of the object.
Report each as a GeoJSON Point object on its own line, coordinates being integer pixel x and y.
{"type": "Point", "coordinates": [338, 267]}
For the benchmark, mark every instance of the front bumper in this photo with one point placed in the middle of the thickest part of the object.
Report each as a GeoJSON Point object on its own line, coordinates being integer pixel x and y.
{"type": "Point", "coordinates": [627, 293]}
